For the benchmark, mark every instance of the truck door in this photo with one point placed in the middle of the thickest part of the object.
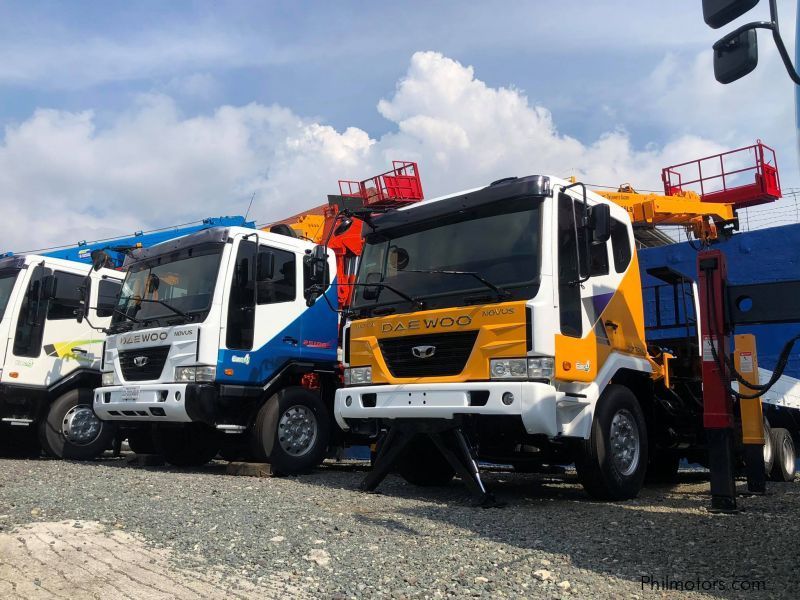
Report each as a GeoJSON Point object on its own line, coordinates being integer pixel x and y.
{"type": "Point", "coordinates": [264, 314]}
{"type": "Point", "coordinates": [585, 286]}
{"type": "Point", "coordinates": [66, 344]}
{"type": "Point", "coordinates": [279, 306]}
{"type": "Point", "coordinates": [48, 341]}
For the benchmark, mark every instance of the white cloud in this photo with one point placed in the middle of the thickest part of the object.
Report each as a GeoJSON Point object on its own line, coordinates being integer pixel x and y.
{"type": "Point", "coordinates": [63, 179]}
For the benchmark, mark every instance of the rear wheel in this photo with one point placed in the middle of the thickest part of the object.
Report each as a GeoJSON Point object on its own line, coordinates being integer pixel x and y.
{"type": "Point", "coordinates": [422, 464]}
{"type": "Point", "coordinates": [769, 448]}
{"type": "Point", "coordinates": [612, 463]}
{"type": "Point", "coordinates": [784, 465]}
{"type": "Point", "coordinates": [190, 445]}
{"type": "Point", "coordinates": [72, 430]}
{"type": "Point", "coordinates": [292, 431]}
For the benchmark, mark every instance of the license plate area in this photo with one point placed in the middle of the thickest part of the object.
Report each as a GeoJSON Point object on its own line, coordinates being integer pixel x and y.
{"type": "Point", "coordinates": [130, 393]}
{"type": "Point", "coordinates": [455, 399]}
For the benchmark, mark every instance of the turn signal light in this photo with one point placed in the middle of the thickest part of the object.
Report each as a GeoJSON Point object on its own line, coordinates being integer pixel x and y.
{"type": "Point", "coordinates": [566, 365]}
{"type": "Point", "coordinates": [13, 374]}
{"type": "Point", "coordinates": [228, 372]}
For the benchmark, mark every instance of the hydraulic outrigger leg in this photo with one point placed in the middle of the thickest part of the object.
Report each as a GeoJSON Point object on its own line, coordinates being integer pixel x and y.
{"type": "Point", "coordinates": [448, 438]}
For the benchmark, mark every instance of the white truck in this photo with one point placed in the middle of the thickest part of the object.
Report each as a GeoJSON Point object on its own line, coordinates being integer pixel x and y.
{"type": "Point", "coordinates": [50, 362]}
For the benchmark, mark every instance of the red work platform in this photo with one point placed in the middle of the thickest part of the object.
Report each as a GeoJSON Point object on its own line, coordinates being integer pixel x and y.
{"type": "Point", "coordinates": [743, 177]}
{"type": "Point", "coordinates": [395, 188]}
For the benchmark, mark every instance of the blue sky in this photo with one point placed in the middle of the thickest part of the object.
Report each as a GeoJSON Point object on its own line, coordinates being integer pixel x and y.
{"type": "Point", "coordinates": [118, 116]}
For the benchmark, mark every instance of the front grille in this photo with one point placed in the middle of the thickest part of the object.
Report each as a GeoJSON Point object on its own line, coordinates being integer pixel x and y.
{"type": "Point", "coordinates": [151, 370]}
{"type": "Point", "coordinates": [451, 353]}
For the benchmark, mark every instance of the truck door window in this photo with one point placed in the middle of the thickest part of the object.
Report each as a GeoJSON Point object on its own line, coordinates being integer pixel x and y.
{"type": "Point", "coordinates": [30, 324]}
{"type": "Point", "coordinates": [67, 297]}
{"type": "Point", "coordinates": [277, 276]}
{"type": "Point", "coordinates": [107, 295]}
{"type": "Point", "coordinates": [620, 245]}
{"type": "Point", "coordinates": [241, 303]}
{"type": "Point", "coordinates": [598, 259]}
{"type": "Point", "coordinates": [569, 292]}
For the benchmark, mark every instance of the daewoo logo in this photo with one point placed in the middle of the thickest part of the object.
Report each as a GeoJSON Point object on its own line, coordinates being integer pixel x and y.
{"type": "Point", "coordinates": [141, 361]}
{"type": "Point", "coordinates": [245, 360]}
{"type": "Point", "coordinates": [138, 338]}
{"type": "Point", "coordinates": [423, 351]}
{"type": "Point", "coordinates": [435, 323]}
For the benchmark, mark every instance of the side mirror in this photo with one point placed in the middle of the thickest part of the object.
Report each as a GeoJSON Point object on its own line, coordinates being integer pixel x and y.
{"type": "Point", "coordinates": [343, 226]}
{"type": "Point", "coordinates": [266, 266]}
{"type": "Point", "coordinates": [717, 13]}
{"type": "Point", "coordinates": [100, 259]}
{"type": "Point", "coordinates": [600, 223]}
{"type": "Point", "coordinates": [735, 56]}
{"type": "Point", "coordinates": [316, 262]}
{"type": "Point", "coordinates": [86, 293]}
{"type": "Point", "coordinates": [371, 291]}
{"type": "Point", "coordinates": [319, 262]}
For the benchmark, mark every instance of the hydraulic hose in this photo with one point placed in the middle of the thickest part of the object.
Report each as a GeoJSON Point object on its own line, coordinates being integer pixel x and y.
{"type": "Point", "coordinates": [729, 367]}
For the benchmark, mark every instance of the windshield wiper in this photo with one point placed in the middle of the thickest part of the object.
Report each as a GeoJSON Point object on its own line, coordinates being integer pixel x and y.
{"type": "Point", "coordinates": [126, 315]}
{"type": "Point", "coordinates": [418, 302]}
{"type": "Point", "coordinates": [177, 311]}
{"type": "Point", "coordinates": [501, 294]}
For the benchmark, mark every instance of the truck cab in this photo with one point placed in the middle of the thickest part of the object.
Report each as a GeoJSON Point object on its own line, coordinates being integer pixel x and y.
{"type": "Point", "coordinates": [514, 310]}
{"type": "Point", "coordinates": [214, 345]}
{"type": "Point", "coordinates": [51, 362]}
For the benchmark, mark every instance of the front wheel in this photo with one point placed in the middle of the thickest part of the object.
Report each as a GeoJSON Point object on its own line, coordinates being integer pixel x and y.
{"type": "Point", "coordinates": [72, 430]}
{"type": "Point", "coordinates": [612, 463]}
{"type": "Point", "coordinates": [291, 431]}
{"type": "Point", "coordinates": [190, 445]}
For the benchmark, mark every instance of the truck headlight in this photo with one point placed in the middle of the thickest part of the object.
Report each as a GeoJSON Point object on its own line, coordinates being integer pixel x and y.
{"type": "Point", "coordinates": [206, 374]}
{"type": "Point", "coordinates": [183, 374]}
{"type": "Point", "coordinates": [107, 378]}
{"type": "Point", "coordinates": [508, 368]}
{"type": "Point", "coordinates": [539, 367]}
{"type": "Point", "coordinates": [200, 373]}
{"type": "Point", "coordinates": [358, 376]}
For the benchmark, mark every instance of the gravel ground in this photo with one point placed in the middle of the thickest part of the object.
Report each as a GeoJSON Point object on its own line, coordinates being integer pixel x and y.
{"type": "Point", "coordinates": [317, 536]}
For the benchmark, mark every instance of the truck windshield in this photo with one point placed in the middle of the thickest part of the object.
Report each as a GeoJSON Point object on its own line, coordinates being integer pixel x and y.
{"type": "Point", "coordinates": [174, 287]}
{"type": "Point", "coordinates": [481, 256]}
{"type": "Point", "coordinates": [7, 280]}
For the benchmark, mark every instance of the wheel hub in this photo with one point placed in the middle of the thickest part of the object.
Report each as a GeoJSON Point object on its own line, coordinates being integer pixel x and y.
{"type": "Point", "coordinates": [625, 443]}
{"type": "Point", "coordinates": [80, 425]}
{"type": "Point", "coordinates": [297, 430]}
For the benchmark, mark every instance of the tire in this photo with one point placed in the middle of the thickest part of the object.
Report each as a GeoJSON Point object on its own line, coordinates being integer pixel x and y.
{"type": "Point", "coordinates": [190, 445]}
{"type": "Point", "coordinates": [422, 464]}
{"type": "Point", "coordinates": [769, 449]}
{"type": "Point", "coordinates": [141, 441]}
{"type": "Point", "coordinates": [784, 465]}
{"type": "Point", "coordinates": [291, 431]}
{"type": "Point", "coordinates": [662, 467]}
{"type": "Point", "coordinates": [72, 430]}
{"type": "Point", "coordinates": [614, 474]}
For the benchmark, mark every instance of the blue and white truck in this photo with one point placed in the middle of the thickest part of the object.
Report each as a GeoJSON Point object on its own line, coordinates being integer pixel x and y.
{"type": "Point", "coordinates": [215, 346]}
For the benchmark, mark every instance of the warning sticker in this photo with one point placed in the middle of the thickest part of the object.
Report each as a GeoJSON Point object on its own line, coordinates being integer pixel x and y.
{"type": "Point", "coordinates": [708, 356]}
{"type": "Point", "coordinates": [745, 362]}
